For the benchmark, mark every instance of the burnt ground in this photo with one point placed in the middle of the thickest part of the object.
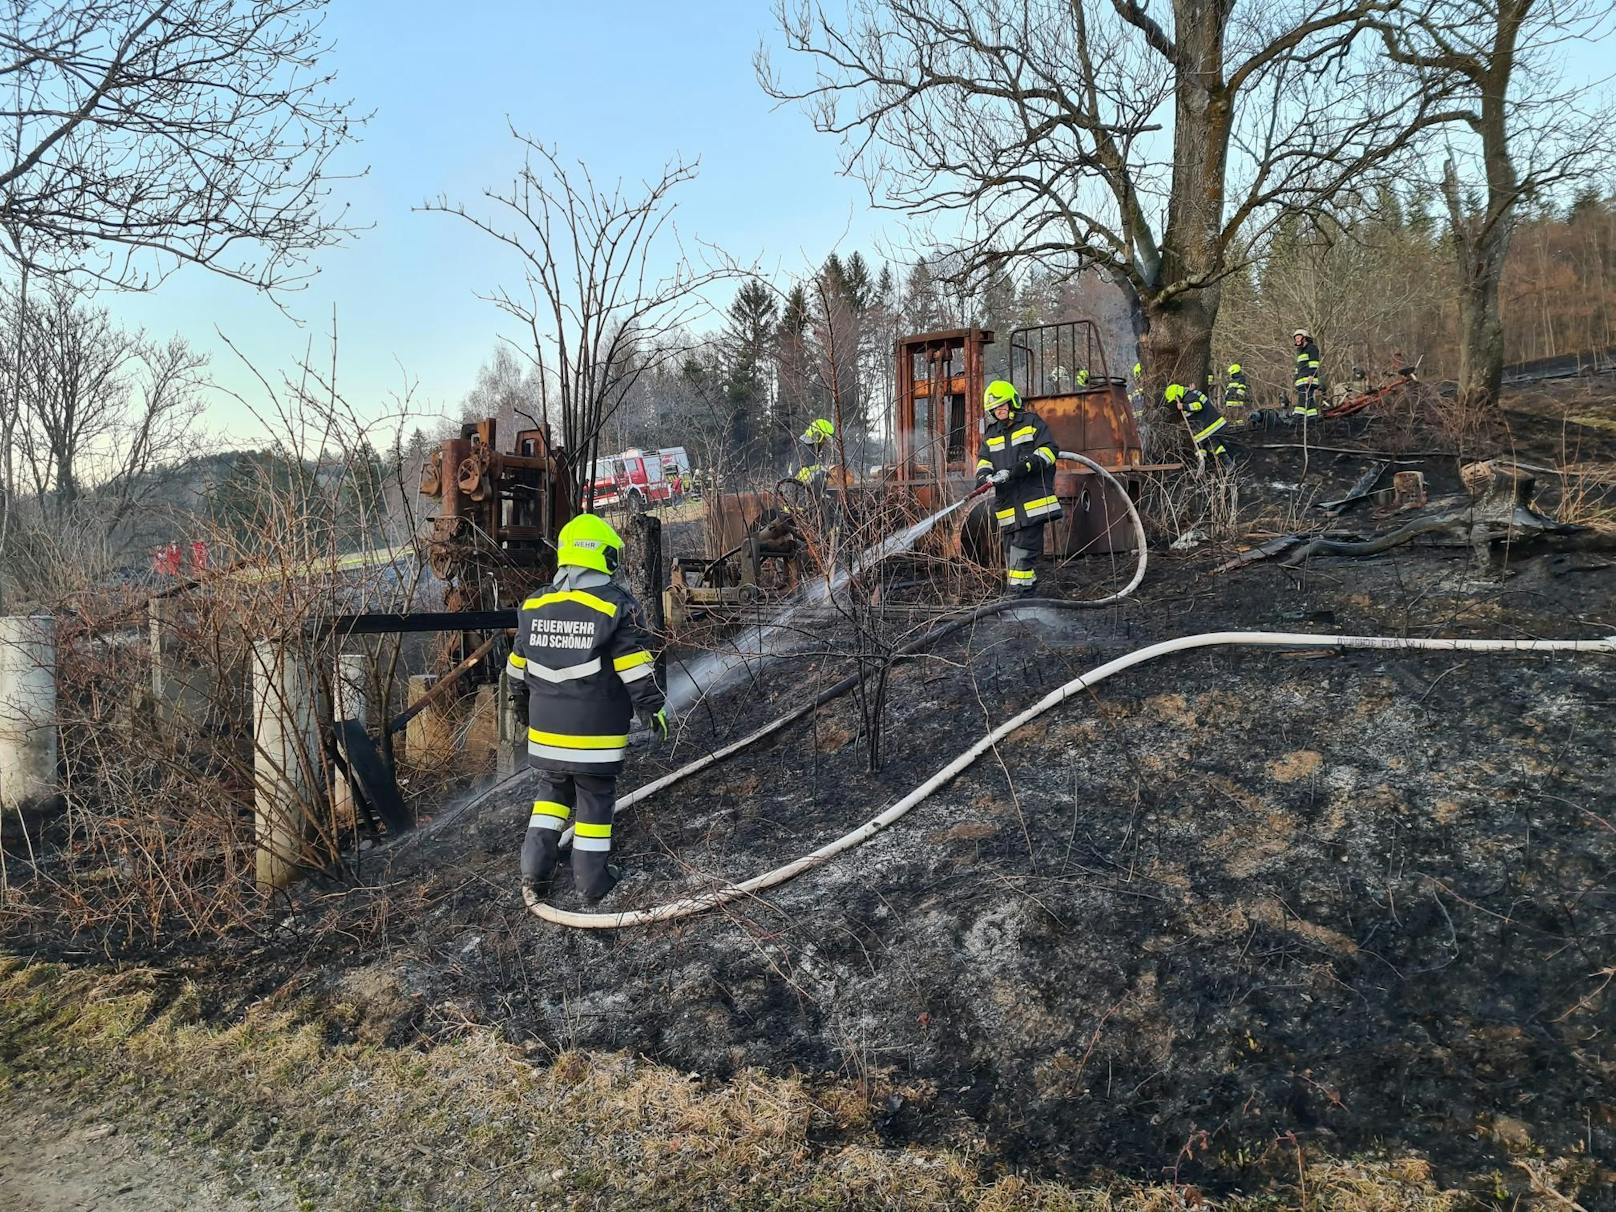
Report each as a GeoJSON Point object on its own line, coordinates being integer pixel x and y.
{"type": "Point", "coordinates": [1364, 898]}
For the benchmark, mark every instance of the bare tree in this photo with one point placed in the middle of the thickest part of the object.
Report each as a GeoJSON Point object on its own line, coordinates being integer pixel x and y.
{"type": "Point", "coordinates": [1083, 134]}
{"type": "Point", "coordinates": [100, 420]}
{"type": "Point", "coordinates": [74, 388]}
{"type": "Point", "coordinates": [1520, 132]}
{"type": "Point", "coordinates": [140, 135]}
{"type": "Point", "coordinates": [599, 309]}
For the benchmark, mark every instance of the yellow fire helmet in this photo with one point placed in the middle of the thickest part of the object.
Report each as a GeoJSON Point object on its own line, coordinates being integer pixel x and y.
{"type": "Point", "coordinates": [1175, 392]}
{"type": "Point", "coordinates": [1000, 392]}
{"type": "Point", "coordinates": [589, 542]}
{"type": "Point", "coordinates": [818, 430]}
{"type": "Point", "coordinates": [1234, 368]}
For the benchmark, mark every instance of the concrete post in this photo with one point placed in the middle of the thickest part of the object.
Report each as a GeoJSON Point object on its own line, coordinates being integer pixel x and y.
{"type": "Point", "coordinates": [183, 689]}
{"type": "Point", "coordinates": [429, 742]}
{"type": "Point", "coordinates": [287, 761]}
{"type": "Point", "coordinates": [512, 729]}
{"type": "Point", "coordinates": [349, 693]}
{"type": "Point", "coordinates": [27, 711]}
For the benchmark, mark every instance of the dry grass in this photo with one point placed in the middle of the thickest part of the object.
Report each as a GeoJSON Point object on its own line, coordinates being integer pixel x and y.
{"type": "Point", "coordinates": [471, 1124]}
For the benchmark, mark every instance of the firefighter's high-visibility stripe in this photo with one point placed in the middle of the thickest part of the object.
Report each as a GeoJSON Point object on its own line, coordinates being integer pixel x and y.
{"type": "Point", "coordinates": [601, 844]}
{"type": "Point", "coordinates": [585, 829]}
{"type": "Point", "coordinates": [1046, 454]}
{"type": "Point", "coordinates": [556, 753]}
{"type": "Point", "coordinates": [1299, 411]}
{"type": "Point", "coordinates": [515, 667]}
{"type": "Point", "coordinates": [1210, 429]}
{"type": "Point", "coordinates": [635, 665]}
{"type": "Point", "coordinates": [566, 673]}
{"type": "Point", "coordinates": [580, 596]}
{"type": "Point", "coordinates": [995, 443]}
{"type": "Point", "coordinates": [1021, 574]}
{"type": "Point", "coordinates": [547, 814]}
{"type": "Point", "coordinates": [1025, 434]}
{"type": "Point", "coordinates": [591, 750]}
{"type": "Point", "coordinates": [1041, 506]}
{"type": "Point", "coordinates": [1007, 517]}
{"type": "Point", "coordinates": [562, 740]}
{"type": "Point", "coordinates": [984, 464]}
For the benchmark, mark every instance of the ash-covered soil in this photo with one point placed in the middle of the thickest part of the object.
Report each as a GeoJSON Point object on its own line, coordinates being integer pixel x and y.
{"type": "Point", "coordinates": [1365, 898]}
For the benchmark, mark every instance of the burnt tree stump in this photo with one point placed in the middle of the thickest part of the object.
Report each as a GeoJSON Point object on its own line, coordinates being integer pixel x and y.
{"type": "Point", "coordinates": [642, 566]}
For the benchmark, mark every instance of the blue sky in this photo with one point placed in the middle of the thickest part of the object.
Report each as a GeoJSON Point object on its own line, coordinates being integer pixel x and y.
{"type": "Point", "coordinates": [623, 86]}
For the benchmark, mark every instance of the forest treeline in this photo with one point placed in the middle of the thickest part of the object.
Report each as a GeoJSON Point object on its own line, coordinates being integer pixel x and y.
{"type": "Point", "coordinates": [1375, 284]}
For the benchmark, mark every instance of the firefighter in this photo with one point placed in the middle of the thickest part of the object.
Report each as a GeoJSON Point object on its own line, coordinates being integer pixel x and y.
{"type": "Point", "coordinates": [1204, 421]}
{"type": "Point", "coordinates": [1307, 374]}
{"type": "Point", "coordinates": [1018, 459]}
{"type": "Point", "coordinates": [581, 652]}
{"type": "Point", "coordinates": [813, 439]}
{"type": "Point", "coordinates": [1136, 390]}
{"type": "Point", "coordinates": [1237, 392]}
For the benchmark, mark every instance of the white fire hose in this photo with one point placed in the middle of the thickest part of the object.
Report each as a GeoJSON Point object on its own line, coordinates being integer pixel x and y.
{"type": "Point", "coordinates": [1252, 639]}
{"type": "Point", "coordinates": [751, 738]}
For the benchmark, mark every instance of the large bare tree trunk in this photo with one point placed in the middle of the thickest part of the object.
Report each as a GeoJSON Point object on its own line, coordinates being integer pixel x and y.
{"type": "Point", "coordinates": [1482, 233]}
{"type": "Point", "coordinates": [1177, 347]}
{"type": "Point", "coordinates": [1481, 330]}
{"type": "Point", "coordinates": [1181, 311]}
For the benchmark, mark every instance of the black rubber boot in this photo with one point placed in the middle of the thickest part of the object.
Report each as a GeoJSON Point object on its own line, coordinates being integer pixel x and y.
{"type": "Point", "coordinates": [602, 883]}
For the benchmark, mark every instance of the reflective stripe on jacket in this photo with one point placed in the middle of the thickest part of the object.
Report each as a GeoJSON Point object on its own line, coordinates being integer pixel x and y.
{"type": "Point", "coordinates": [582, 651]}
{"type": "Point", "coordinates": [1307, 364]}
{"type": "Point", "coordinates": [1204, 417]}
{"type": "Point", "coordinates": [1238, 391]}
{"type": "Point", "coordinates": [1023, 498]}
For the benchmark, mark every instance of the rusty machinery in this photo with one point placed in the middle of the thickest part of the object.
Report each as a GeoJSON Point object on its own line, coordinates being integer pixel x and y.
{"type": "Point", "coordinates": [938, 414]}
{"type": "Point", "coordinates": [937, 424]}
{"type": "Point", "coordinates": [493, 537]}
{"type": "Point", "coordinates": [765, 561]}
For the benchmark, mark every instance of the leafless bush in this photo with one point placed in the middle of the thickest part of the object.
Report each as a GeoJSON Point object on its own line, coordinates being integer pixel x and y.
{"type": "Point", "coordinates": [159, 712]}
{"type": "Point", "coordinates": [1203, 500]}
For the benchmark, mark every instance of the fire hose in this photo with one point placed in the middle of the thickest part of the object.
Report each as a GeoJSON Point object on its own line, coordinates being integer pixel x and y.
{"type": "Point", "coordinates": [690, 906]}
{"type": "Point", "coordinates": [932, 635]}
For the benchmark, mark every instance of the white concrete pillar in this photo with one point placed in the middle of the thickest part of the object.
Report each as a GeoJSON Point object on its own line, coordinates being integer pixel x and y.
{"type": "Point", "coordinates": [27, 711]}
{"type": "Point", "coordinates": [512, 729]}
{"type": "Point", "coordinates": [350, 688]}
{"type": "Point", "coordinates": [287, 764]}
{"type": "Point", "coordinates": [184, 689]}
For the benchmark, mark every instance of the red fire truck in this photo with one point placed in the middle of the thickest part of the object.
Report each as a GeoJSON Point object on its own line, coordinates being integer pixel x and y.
{"type": "Point", "coordinates": [635, 479]}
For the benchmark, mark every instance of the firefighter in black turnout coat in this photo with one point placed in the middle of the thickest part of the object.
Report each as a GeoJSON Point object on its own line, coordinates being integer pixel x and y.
{"type": "Point", "coordinates": [581, 651]}
{"type": "Point", "coordinates": [1018, 459]}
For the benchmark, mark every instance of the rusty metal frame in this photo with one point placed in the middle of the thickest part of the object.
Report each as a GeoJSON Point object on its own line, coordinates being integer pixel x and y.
{"type": "Point", "coordinates": [941, 446]}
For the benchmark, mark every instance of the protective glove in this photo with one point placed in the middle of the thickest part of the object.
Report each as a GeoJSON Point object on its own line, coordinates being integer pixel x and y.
{"type": "Point", "coordinates": [658, 723]}
{"type": "Point", "coordinates": [1031, 467]}
{"type": "Point", "coordinates": [999, 477]}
